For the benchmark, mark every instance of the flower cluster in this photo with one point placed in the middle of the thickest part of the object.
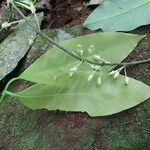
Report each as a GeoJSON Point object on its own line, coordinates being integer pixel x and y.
{"type": "Point", "coordinates": [74, 69]}
{"type": "Point", "coordinates": [96, 68]}
{"type": "Point", "coordinates": [6, 24]}
{"type": "Point", "coordinates": [116, 73]}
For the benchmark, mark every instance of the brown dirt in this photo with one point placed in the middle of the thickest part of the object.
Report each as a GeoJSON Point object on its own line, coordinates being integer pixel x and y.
{"type": "Point", "coordinates": [65, 13]}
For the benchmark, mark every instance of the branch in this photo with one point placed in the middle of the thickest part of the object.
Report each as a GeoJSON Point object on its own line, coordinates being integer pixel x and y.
{"type": "Point", "coordinates": [101, 63]}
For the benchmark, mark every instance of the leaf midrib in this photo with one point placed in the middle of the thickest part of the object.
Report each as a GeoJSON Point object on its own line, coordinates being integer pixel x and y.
{"type": "Point", "coordinates": [52, 95]}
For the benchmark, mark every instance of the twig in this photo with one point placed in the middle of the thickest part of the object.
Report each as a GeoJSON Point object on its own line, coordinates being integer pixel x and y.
{"type": "Point", "coordinates": [101, 63]}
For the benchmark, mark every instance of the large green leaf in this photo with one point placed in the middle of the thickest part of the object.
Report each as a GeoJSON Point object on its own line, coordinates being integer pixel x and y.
{"type": "Point", "coordinates": [119, 15]}
{"type": "Point", "coordinates": [16, 45]}
{"type": "Point", "coordinates": [95, 2]}
{"type": "Point", "coordinates": [77, 94]}
{"type": "Point", "coordinates": [110, 46]}
{"type": "Point", "coordinates": [56, 90]}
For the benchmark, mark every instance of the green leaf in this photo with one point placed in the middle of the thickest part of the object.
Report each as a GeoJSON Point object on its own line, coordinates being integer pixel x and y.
{"type": "Point", "coordinates": [16, 45]}
{"type": "Point", "coordinates": [119, 15]}
{"type": "Point", "coordinates": [113, 47]}
{"type": "Point", "coordinates": [77, 94]}
{"type": "Point", "coordinates": [56, 90]}
{"type": "Point", "coordinates": [24, 3]}
{"type": "Point", "coordinates": [95, 2]}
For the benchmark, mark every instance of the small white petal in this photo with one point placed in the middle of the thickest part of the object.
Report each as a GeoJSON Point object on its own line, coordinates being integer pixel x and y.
{"type": "Point", "coordinates": [71, 74]}
{"type": "Point", "coordinates": [112, 72]}
{"type": "Point", "coordinates": [92, 66]}
{"type": "Point", "coordinates": [91, 49]}
{"type": "Point", "coordinates": [116, 74]}
{"type": "Point", "coordinates": [126, 80]}
{"type": "Point", "coordinates": [6, 25]}
{"type": "Point", "coordinates": [99, 81]}
{"type": "Point", "coordinates": [75, 68]}
{"type": "Point", "coordinates": [81, 52]}
{"type": "Point", "coordinates": [31, 41]}
{"type": "Point", "coordinates": [97, 57]}
{"type": "Point", "coordinates": [90, 77]}
{"type": "Point", "coordinates": [97, 67]}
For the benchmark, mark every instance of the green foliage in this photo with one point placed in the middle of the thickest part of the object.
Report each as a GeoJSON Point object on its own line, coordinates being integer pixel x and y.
{"type": "Point", "coordinates": [57, 90]}
{"type": "Point", "coordinates": [24, 3]}
{"type": "Point", "coordinates": [16, 45]}
{"type": "Point", "coordinates": [113, 47]}
{"type": "Point", "coordinates": [73, 85]}
{"type": "Point", "coordinates": [95, 2]}
{"type": "Point", "coordinates": [77, 94]}
{"type": "Point", "coordinates": [119, 15]}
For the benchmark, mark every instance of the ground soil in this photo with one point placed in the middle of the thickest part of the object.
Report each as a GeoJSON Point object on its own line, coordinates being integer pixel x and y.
{"type": "Point", "coordinates": [65, 13]}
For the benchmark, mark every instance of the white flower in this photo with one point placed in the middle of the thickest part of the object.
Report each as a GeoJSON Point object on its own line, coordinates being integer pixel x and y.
{"type": "Point", "coordinates": [6, 25]}
{"type": "Point", "coordinates": [71, 74]}
{"type": "Point", "coordinates": [90, 77]}
{"type": "Point", "coordinates": [116, 74]}
{"type": "Point", "coordinates": [112, 72]}
{"type": "Point", "coordinates": [91, 49]}
{"type": "Point", "coordinates": [99, 81]}
{"type": "Point", "coordinates": [31, 41]}
{"type": "Point", "coordinates": [97, 57]}
{"type": "Point", "coordinates": [126, 80]}
{"type": "Point", "coordinates": [73, 69]}
{"type": "Point", "coordinates": [97, 67]}
{"type": "Point", "coordinates": [92, 66]}
{"type": "Point", "coordinates": [79, 49]}
{"type": "Point", "coordinates": [81, 52]}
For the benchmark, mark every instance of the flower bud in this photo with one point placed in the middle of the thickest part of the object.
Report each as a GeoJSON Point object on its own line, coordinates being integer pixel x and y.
{"type": "Point", "coordinates": [96, 67]}
{"type": "Point", "coordinates": [97, 57]}
{"type": "Point", "coordinates": [92, 66]}
{"type": "Point", "coordinates": [31, 41]}
{"type": "Point", "coordinates": [126, 80]}
{"type": "Point", "coordinates": [6, 25]}
{"type": "Point", "coordinates": [112, 72]}
{"type": "Point", "coordinates": [90, 77]}
{"type": "Point", "coordinates": [91, 49]}
{"type": "Point", "coordinates": [71, 74]}
{"type": "Point", "coordinates": [99, 81]}
{"type": "Point", "coordinates": [81, 52]}
{"type": "Point", "coordinates": [116, 74]}
{"type": "Point", "coordinates": [75, 68]}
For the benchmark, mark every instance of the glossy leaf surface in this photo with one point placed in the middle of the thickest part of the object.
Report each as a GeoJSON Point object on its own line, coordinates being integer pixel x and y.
{"type": "Point", "coordinates": [16, 45]}
{"type": "Point", "coordinates": [77, 94]}
{"type": "Point", "coordinates": [113, 47]}
{"type": "Point", "coordinates": [119, 15]}
{"type": "Point", "coordinates": [56, 90]}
